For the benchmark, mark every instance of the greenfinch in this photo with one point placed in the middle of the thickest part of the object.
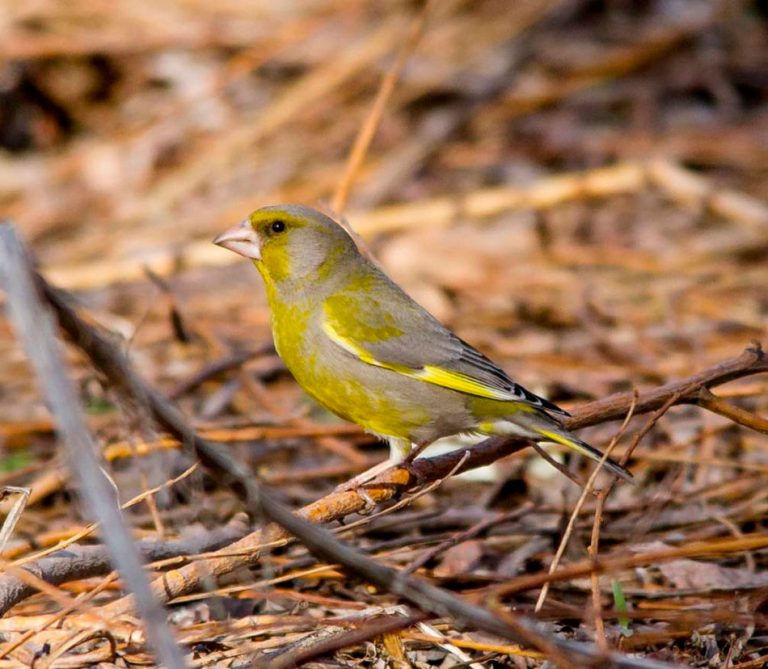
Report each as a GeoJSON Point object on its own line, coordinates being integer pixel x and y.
{"type": "Point", "coordinates": [366, 351]}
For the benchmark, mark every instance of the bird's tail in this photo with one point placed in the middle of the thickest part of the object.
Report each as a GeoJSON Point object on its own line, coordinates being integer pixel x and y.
{"type": "Point", "coordinates": [562, 436]}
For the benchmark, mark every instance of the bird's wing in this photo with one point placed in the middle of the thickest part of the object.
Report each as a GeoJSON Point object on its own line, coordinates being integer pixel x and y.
{"type": "Point", "coordinates": [385, 328]}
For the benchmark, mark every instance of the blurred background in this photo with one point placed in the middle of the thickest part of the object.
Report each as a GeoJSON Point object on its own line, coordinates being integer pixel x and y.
{"type": "Point", "coordinates": [578, 187]}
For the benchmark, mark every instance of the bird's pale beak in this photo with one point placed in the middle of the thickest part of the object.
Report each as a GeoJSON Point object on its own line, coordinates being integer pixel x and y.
{"type": "Point", "coordinates": [241, 239]}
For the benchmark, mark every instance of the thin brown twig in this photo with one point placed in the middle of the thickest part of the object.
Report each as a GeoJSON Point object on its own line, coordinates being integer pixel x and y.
{"type": "Point", "coordinates": [337, 641]}
{"type": "Point", "coordinates": [369, 127]}
{"type": "Point", "coordinates": [587, 490]}
{"type": "Point", "coordinates": [469, 533]}
{"type": "Point", "coordinates": [597, 609]}
{"type": "Point", "coordinates": [711, 402]}
{"type": "Point", "coordinates": [671, 401]}
{"type": "Point", "coordinates": [559, 466]}
{"type": "Point", "coordinates": [229, 362]}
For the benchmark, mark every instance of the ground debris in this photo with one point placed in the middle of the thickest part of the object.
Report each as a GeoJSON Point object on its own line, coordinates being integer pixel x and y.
{"type": "Point", "coordinates": [578, 189]}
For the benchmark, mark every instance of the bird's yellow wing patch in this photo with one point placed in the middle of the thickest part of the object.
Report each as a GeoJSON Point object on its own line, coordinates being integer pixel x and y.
{"type": "Point", "coordinates": [461, 382]}
{"type": "Point", "coordinates": [434, 374]}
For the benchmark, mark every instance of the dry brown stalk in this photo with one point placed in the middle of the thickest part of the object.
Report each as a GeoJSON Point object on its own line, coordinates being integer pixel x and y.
{"type": "Point", "coordinates": [329, 641]}
{"type": "Point", "coordinates": [594, 542]}
{"type": "Point", "coordinates": [718, 405]}
{"type": "Point", "coordinates": [368, 128]}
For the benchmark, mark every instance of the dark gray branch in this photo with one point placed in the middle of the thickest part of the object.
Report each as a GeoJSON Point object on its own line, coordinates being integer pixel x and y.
{"type": "Point", "coordinates": [35, 328]}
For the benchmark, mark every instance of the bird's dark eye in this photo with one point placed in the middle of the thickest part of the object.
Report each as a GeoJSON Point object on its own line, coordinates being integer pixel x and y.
{"type": "Point", "coordinates": [277, 226]}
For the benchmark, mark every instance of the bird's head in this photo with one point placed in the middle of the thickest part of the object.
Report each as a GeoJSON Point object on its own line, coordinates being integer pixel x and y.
{"type": "Point", "coordinates": [289, 242]}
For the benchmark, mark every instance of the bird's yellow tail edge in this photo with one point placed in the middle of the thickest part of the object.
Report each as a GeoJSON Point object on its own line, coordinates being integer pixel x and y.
{"type": "Point", "coordinates": [585, 449]}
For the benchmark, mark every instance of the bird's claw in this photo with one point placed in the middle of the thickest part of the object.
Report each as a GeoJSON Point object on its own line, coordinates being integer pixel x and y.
{"type": "Point", "coordinates": [358, 488]}
{"type": "Point", "coordinates": [370, 503]}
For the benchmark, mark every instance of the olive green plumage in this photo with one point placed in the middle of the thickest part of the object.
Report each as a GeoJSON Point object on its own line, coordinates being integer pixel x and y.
{"type": "Point", "coordinates": [370, 354]}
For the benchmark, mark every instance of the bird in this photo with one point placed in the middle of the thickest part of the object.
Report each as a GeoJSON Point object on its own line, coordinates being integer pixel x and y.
{"type": "Point", "coordinates": [367, 352]}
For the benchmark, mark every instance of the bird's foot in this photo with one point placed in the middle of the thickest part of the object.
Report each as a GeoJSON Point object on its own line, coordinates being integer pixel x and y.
{"type": "Point", "coordinates": [369, 502]}
{"type": "Point", "coordinates": [359, 483]}
{"type": "Point", "coordinates": [414, 453]}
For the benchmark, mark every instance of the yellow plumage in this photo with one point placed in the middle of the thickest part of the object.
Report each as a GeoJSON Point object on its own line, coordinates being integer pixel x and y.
{"type": "Point", "coordinates": [366, 351]}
